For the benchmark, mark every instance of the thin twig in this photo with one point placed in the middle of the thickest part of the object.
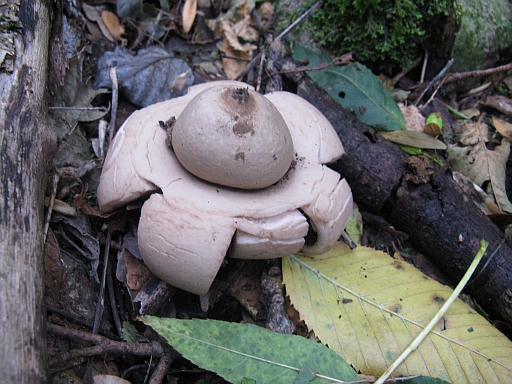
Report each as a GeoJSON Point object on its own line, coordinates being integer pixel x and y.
{"type": "Point", "coordinates": [101, 300]}
{"type": "Point", "coordinates": [341, 60]}
{"type": "Point", "coordinates": [102, 345]}
{"type": "Point", "coordinates": [260, 72]}
{"type": "Point", "coordinates": [303, 17]}
{"type": "Point", "coordinates": [115, 101]}
{"type": "Point", "coordinates": [162, 367]}
{"type": "Point", "coordinates": [455, 294]}
{"type": "Point", "coordinates": [399, 76]}
{"type": "Point", "coordinates": [424, 67]}
{"type": "Point", "coordinates": [433, 94]}
{"type": "Point", "coordinates": [112, 300]}
{"type": "Point", "coordinates": [299, 21]}
{"type": "Point", "coordinates": [55, 182]}
{"type": "Point", "coordinates": [434, 80]}
{"type": "Point", "coordinates": [483, 72]}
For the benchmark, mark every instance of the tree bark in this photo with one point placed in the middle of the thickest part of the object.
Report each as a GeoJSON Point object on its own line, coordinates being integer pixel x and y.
{"type": "Point", "coordinates": [421, 199]}
{"type": "Point", "coordinates": [26, 146]}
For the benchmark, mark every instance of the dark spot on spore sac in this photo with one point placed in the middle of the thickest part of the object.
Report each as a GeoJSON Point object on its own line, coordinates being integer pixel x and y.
{"type": "Point", "coordinates": [242, 128]}
{"type": "Point", "coordinates": [240, 156]}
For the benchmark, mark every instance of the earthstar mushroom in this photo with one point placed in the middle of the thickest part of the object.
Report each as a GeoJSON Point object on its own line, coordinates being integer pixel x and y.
{"type": "Point", "coordinates": [188, 225]}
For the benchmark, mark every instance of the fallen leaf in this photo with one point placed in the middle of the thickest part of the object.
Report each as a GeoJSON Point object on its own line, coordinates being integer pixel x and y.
{"type": "Point", "coordinates": [503, 127]}
{"type": "Point", "coordinates": [357, 89]}
{"type": "Point", "coordinates": [235, 62]}
{"type": "Point", "coordinates": [414, 139]}
{"type": "Point", "coordinates": [188, 15]}
{"type": "Point", "coordinates": [477, 194]}
{"type": "Point", "coordinates": [500, 103]}
{"type": "Point", "coordinates": [151, 76]}
{"type": "Point", "coordinates": [111, 22]}
{"type": "Point", "coordinates": [480, 164]}
{"type": "Point", "coordinates": [245, 351]}
{"type": "Point", "coordinates": [414, 120]}
{"type": "Point", "coordinates": [368, 307]}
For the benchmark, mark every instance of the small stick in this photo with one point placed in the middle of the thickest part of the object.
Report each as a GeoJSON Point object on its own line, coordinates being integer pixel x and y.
{"type": "Point", "coordinates": [55, 182]}
{"type": "Point", "coordinates": [483, 72]}
{"type": "Point", "coordinates": [112, 300]}
{"type": "Point", "coordinates": [303, 17]}
{"type": "Point", "coordinates": [433, 94]}
{"type": "Point", "coordinates": [102, 345]}
{"type": "Point", "coordinates": [115, 101]}
{"type": "Point", "coordinates": [341, 60]}
{"type": "Point", "coordinates": [424, 67]}
{"type": "Point", "coordinates": [101, 300]}
{"type": "Point", "coordinates": [398, 77]}
{"type": "Point", "coordinates": [260, 72]}
{"type": "Point", "coordinates": [162, 367]}
{"type": "Point", "coordinates": [434, 80]}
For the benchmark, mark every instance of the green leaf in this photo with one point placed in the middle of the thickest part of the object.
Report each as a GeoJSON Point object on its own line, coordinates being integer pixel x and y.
{"type": "Point", "coordinates": [240, 352]}
{"type": "Point", "coordinates": [368, 307]}
{"type": "Point", "coordinates": [357, 89]}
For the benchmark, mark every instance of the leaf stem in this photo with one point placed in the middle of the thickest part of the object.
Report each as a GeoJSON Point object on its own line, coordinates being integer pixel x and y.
{"type": "Point", "coordinates": [458, 289]}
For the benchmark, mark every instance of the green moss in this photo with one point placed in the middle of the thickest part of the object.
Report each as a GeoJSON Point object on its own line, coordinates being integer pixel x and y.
{"type": "Point", "coordinates": [386, 35]}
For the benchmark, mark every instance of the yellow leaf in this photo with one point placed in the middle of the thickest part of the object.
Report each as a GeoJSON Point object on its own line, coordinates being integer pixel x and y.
{"type": "Point", "coordinates": [368, 307]}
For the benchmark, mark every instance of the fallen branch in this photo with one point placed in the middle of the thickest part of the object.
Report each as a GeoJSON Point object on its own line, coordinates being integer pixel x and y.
{"type": "Point", "coordinates": [102, 345]}
{"type": "Point", "coordinates": [444, 224]}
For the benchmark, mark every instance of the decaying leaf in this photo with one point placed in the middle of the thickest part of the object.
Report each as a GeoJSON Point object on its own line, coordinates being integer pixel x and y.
{"type": "Point", "coordinates": [480, 164]}
{"type": "Point", "coordinates": [368, 307]}
{"type": "Point", "coordinates": [500, 103]}
{"type": "Point", "coordinates": [235, 62]}
{"type": "Point", "coordinates": [151, 76]}
{"type": "Point", "coordinates": [414, 139]}
{"type": "Point", "coordinates": [477, 194]}
{"type": "Point", "coordinates": [234, 27]}
{"type": "Point", "coordinates": [414, 120]}
{"type": "Point", "coordinates": [107, 21]}
{"type": "Point", "coordinates": [503, 127]}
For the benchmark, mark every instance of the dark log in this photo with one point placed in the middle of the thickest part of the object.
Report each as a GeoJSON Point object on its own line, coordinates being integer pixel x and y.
{"type": "Point", "coordinates": [421, 199]}
{"type": "Point", "coordinates": [26, 146]}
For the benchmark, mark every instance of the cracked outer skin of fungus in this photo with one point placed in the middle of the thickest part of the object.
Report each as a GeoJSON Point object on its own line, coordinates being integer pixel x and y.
{"type": "Point", "coordinates": [188, 225]}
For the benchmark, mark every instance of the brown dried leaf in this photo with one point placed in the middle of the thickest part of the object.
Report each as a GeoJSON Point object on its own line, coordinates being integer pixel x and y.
{"type": "Point", "coordinates": [137, 274]}
{"type": "Point", "coordinates": [414, 120]}
{"type": "Point", "coordinates": [503, 127]}
{"type": "Point", "coordinates": [111, 22]}
{"type": "Point", "coordinates": [233, 67]}
{"type": "Point", "coordinates": [500, 103]}
{"type": "Point", "coordinates": [189, 14]}
{"type": "Point", "coordinates": [231, 37]}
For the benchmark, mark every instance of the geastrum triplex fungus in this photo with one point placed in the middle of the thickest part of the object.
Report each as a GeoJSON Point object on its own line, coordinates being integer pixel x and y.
{"type": "Point", "coordinates": [229, 173]}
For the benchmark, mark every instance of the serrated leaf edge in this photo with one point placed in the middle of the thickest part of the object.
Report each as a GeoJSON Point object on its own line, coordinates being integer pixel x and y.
{"type": "Point", "coordinates": [383, 309]}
